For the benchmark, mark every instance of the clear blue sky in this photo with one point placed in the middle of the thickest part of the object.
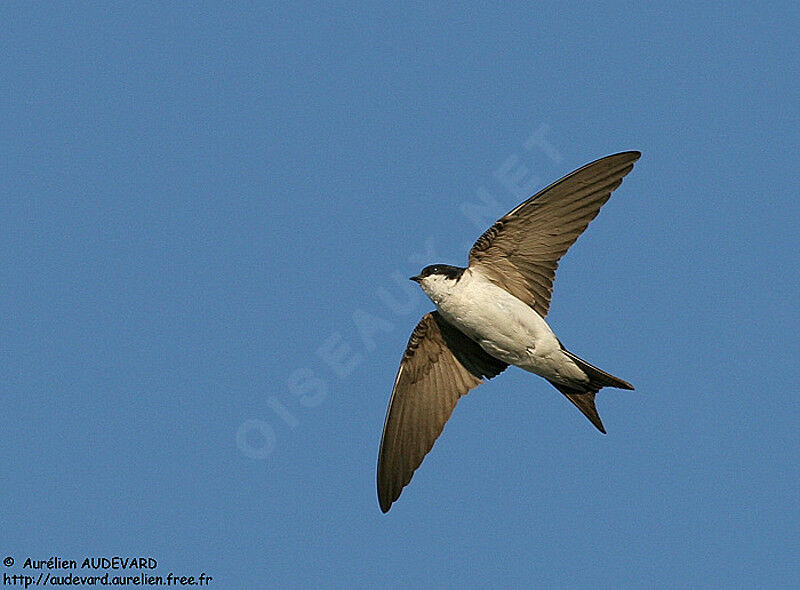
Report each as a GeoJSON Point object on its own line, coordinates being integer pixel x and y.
{"type": "Point", "coordinates": [201, 204]}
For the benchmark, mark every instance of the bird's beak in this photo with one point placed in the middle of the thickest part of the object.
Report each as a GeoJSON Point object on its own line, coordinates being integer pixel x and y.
{"type": "Point", "coordinates": [416, 279]}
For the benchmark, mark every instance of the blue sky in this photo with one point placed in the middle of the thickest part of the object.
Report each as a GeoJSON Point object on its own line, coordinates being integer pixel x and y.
{"type": "Point", "coordinates": [204, 212]}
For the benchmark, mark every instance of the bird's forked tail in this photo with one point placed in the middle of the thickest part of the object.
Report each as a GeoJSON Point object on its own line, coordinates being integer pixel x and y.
{"type": "Point", "coordinates": [583, 398]}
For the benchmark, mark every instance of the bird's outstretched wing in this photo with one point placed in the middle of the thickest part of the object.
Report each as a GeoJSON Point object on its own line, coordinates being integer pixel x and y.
{"type": "Point", "coordinates": [440, 365]}
{"type": "Point", "coordinates": [520, 252]}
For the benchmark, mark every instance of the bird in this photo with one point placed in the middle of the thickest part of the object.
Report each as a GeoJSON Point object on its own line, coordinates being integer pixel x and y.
{"type": "Point", "coordinates": [491, 314]}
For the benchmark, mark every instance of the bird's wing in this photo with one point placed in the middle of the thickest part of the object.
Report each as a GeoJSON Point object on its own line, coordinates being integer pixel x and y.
{"type": "Point", "coordinates": [440, 365]}
{"type": "Point", "coordinates": [520, 252]}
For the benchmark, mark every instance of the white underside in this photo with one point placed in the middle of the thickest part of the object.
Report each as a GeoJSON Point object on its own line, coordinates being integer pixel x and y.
{"type": "Point", "coordinates": [503, 326]}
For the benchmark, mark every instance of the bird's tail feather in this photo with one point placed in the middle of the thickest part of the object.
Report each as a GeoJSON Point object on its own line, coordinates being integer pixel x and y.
{"type": "Point", "coordinates": [597, 377]}
{"type": "Point", "coordinates": [584, 398]}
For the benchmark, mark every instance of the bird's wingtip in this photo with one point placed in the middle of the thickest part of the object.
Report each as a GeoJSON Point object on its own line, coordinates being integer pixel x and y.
{"type": "Point", "coordinates": [630, 156]}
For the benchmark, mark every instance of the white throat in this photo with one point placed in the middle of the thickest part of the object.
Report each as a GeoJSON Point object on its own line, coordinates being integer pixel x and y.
{"type": "Point", "coordinates": [438, 287]}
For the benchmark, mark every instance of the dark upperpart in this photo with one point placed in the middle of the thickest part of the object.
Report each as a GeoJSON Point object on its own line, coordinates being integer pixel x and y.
{"type": "Point", "coordinates": [451, 272]}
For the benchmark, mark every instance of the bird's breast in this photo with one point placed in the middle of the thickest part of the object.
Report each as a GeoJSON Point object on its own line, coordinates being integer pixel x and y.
{"type": "Point", "coordinates": [503, 325]}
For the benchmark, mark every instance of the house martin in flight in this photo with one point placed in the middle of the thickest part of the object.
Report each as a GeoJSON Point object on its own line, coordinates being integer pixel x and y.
{"type": "Point", "coordinates": [490, 315]}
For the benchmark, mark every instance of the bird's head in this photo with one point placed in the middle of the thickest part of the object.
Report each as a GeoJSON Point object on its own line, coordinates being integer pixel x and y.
{"type": "Point", "coordinates": [438, 279]}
